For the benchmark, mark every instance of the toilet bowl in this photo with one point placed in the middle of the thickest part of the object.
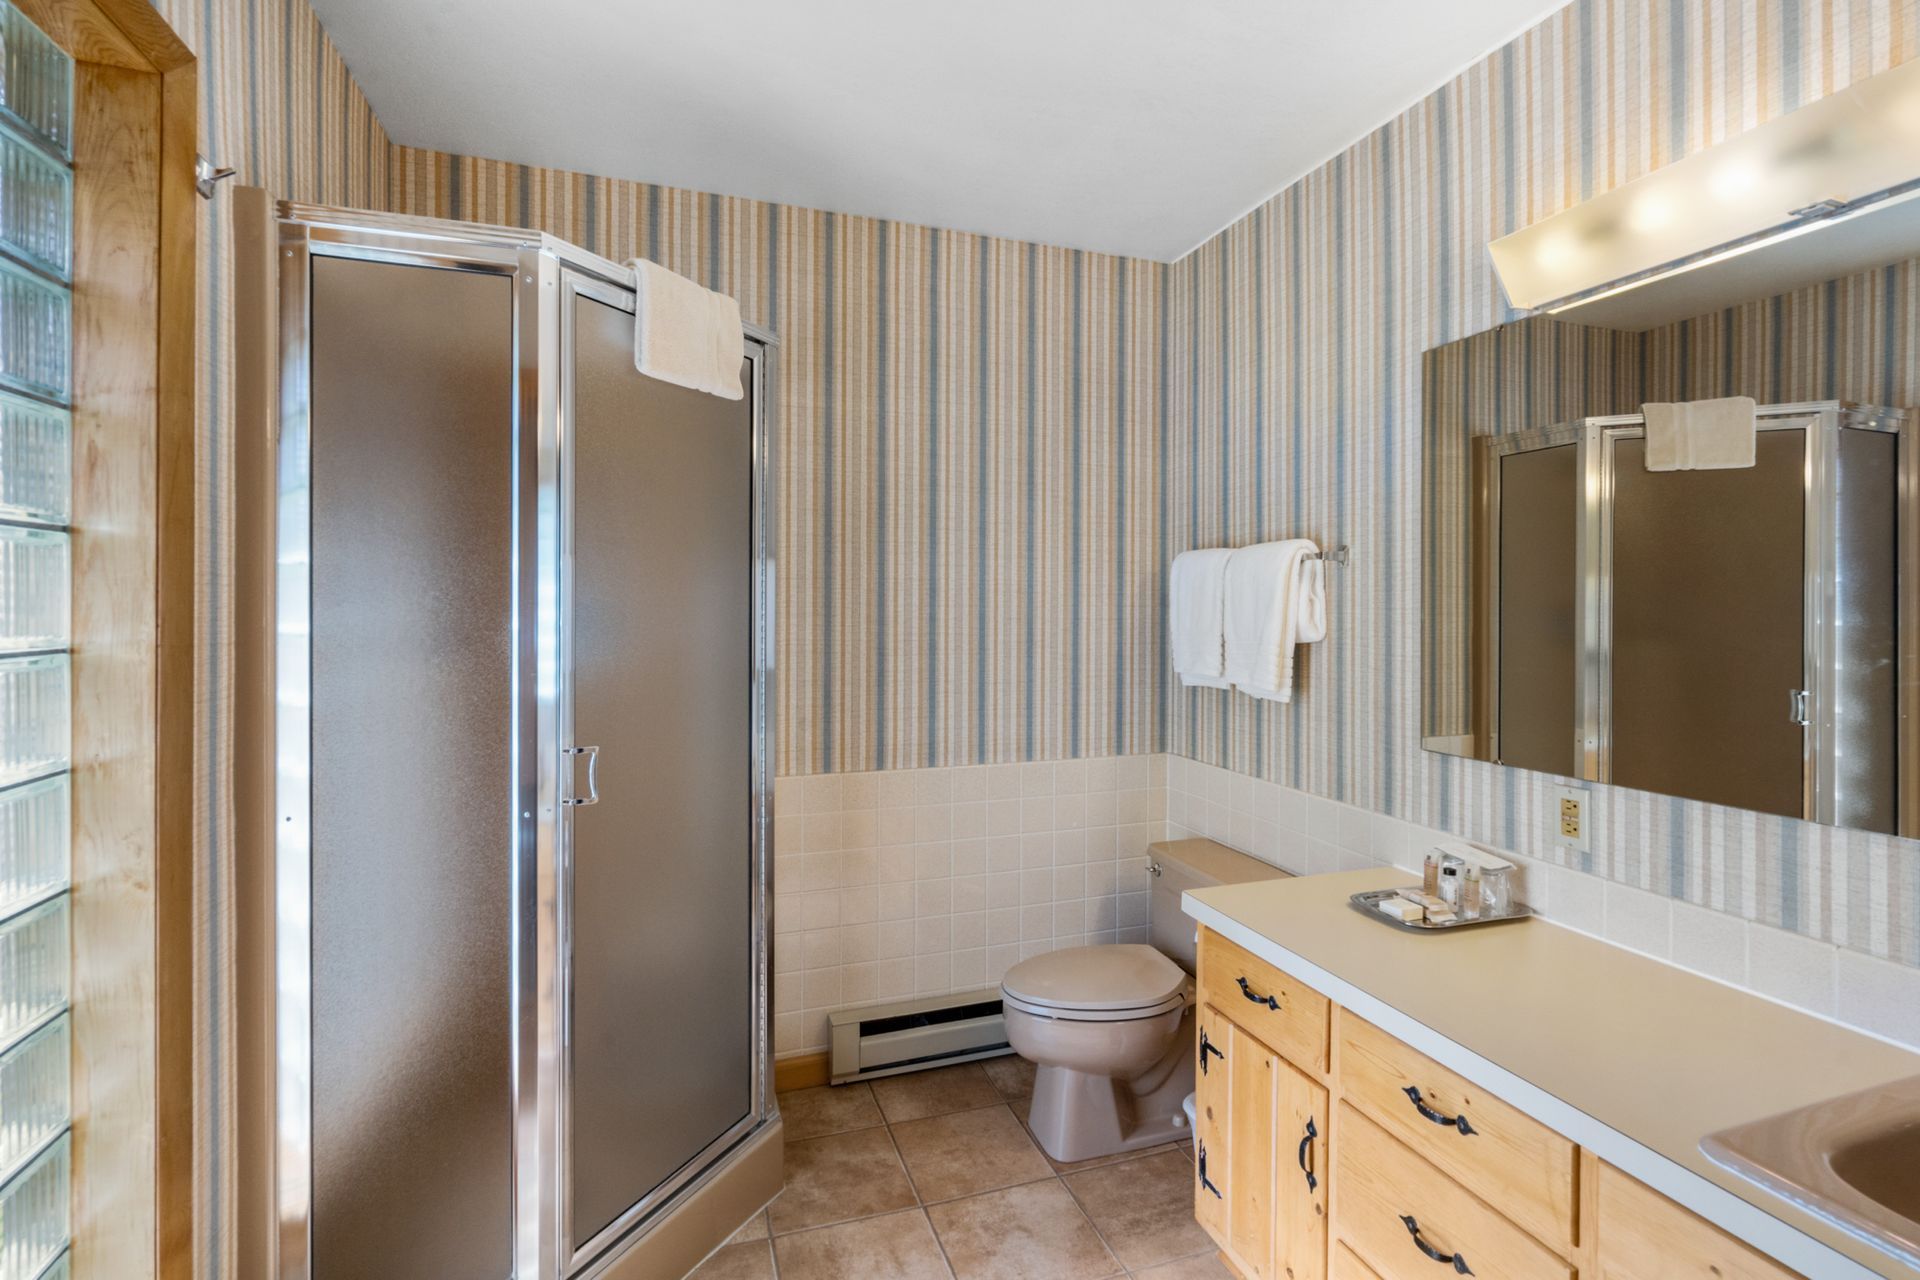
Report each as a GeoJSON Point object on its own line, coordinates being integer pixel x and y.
{"type": "Point", "coordinates": [1109, 1028]}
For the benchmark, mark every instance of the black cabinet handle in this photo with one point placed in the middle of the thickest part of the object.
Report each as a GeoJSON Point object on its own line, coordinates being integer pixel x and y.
{"type": "Point", "coordinates": [1457, 1261]}
{"type": "Point", "coordinates": [1305, 1143]}
{"type": "Point", "coordinates": [1451, 1122]}
{"type": "Point", "coordinates": [1208, 1047]}
{"type": "Point", "coordinates": [1250, 994]}
{"type": "Point", "coordinates": [1201, 1151]}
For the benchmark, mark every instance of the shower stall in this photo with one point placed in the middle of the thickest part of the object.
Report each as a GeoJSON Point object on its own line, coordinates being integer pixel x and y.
{"type": "Point", "coordinates": [504, 799]}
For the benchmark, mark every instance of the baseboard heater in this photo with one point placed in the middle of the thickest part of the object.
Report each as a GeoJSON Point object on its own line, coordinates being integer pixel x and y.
{"type": "Point", "coordinates": [911, 1035]}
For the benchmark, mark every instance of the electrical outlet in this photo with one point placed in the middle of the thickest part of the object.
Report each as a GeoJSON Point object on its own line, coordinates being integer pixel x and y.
{"type": "Point", "coordinates": [1570, 817]}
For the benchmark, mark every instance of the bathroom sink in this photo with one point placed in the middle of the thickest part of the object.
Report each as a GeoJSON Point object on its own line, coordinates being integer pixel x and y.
{"type": "Point", "coordinates": [1853, 1160]}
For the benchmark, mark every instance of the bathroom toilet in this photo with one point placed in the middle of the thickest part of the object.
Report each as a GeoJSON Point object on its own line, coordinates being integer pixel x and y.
{"type": "Point", "coordinates": [1109, 1028]}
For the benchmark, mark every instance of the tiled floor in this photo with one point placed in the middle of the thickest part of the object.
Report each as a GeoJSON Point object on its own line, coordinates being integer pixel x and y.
{"type": "Point", "coordinates": [933, 1176]}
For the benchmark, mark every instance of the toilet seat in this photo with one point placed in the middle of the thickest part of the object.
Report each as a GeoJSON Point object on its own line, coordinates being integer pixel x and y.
{"type": "Point", "coordinates": [1116, 982]}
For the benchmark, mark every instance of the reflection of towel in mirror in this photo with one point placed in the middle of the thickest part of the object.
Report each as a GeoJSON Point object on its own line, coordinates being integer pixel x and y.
{"type": "Point", "coordinates": [685, 334]}
{"type": "Point", "coordinates": [1700, 435]}
{"type": "Point", "coordinates": [1276, 599]}
{"type": "Point", "coordinates": [1196, 616]}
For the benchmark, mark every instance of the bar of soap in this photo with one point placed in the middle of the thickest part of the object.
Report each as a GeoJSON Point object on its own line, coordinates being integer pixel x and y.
{"type": "Point", "coordinates": [1442, 914]}
{"type": "Point", "coordinates": [1400, 909]}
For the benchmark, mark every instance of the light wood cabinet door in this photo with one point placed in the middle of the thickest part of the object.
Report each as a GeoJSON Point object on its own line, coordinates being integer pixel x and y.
{"type": "Point", "coordinates": [1300, 1197]}
{"type": "Point", "coordinates": [1645, 1236]}
{"type": "Point", "coordinates": [1212, 1122]}
{"type": "Point", "coordinates": [1252, 1164]}
{"type": "Point", "coordinates": [1261, 1155]}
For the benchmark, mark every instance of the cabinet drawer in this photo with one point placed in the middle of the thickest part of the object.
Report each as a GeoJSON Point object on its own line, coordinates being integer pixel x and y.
{"type": "Point", "coordinates": [1381, 1187]}
{"type": "Point", "coordinates": [1347, 1266]}
{"type": "Point", "coordinates": [1501, 1154]}
{"type": "Point", "coordinates": [1645, 1236]}
{"type": "Point", "coordinates": [1287, 1015]}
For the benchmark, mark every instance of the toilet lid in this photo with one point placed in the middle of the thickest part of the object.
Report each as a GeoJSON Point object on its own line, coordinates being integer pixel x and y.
{"type": "Point", "coordinates": [1116, 976]}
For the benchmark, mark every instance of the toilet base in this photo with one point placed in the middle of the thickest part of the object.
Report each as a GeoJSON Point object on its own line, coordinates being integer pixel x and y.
{"type": "Point", "coordinates": [1079, 1115]}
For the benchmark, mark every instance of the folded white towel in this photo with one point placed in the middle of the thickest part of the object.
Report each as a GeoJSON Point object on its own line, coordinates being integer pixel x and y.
{"type": "Point", "coordinates": [1196, 616]}
{"type": "Point", "coordinates": [1700, 435]}
{"type": "Point", "coordinates": [1276, 599]}
{"type": "Point", "coordinates": [685, 334]}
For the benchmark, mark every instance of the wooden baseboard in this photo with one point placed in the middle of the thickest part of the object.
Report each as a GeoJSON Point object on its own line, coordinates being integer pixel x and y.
{"type": "Point", "coordinates": [803, 1071]}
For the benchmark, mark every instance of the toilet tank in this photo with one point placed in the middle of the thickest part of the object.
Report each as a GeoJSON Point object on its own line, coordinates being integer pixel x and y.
{"type": "Point", "coordinates": [1179, 865]}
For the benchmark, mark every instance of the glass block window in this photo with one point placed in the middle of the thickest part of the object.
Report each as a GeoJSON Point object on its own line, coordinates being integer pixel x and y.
{"type": "Point", "coordinates": [36, 691]}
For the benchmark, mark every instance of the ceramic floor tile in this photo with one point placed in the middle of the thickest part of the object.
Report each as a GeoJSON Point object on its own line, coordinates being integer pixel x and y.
{"type": "Point", "coordinates": [1021, 1233]}
{"type": "Point", "coordinates": [898, 1246]}
{"type": "Point", "coordinates": [751, 1261]}
{"type": "Point", "coordinates": [755, 1229]}
{"type": "Point", "coordinates": [1011, 1075]}
{"type": "Point", "coordinates": [1205, 1266]}
{"type": "Point", "coordinates": [842, 1176]}
{"type": "Point", "coordinates": [1142, 1208]}
{"type": "Point", "coordinates": [814, 1113]}
{"type": "Point", "coordinates": [968, 1152]}
{"type": "Point", "coordinates": [919, 1094]}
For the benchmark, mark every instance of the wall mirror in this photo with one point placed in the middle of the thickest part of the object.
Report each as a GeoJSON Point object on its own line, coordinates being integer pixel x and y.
{"type": "Point", "coordinates": [1744, 637]}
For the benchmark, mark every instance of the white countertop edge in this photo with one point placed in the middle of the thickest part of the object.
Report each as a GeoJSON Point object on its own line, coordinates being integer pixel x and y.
{"type": "Point", "coordinates": [1765, 1232]}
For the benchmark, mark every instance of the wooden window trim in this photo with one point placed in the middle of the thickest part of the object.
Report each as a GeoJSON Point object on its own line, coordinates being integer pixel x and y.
{"type": "Point", "coordinates": [135, 349]}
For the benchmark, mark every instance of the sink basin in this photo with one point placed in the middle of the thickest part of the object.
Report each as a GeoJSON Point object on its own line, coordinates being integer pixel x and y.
{"type": "Point", "coordinates": [1853, 1160]}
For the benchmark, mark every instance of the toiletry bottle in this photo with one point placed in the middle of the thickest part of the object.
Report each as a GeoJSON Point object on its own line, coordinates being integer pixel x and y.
{"type": "Point", "coordinates": [1470, 894]}
{"type": "Point", "coordinates": [1496, 891]}
{"type": "Point", "coordinates": [1430, 874]}
{"type": "Point", "coordinates": [1450, 877]}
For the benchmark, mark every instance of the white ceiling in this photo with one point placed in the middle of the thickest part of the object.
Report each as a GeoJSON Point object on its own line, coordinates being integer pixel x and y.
{"type": "Point", "coordinates": [1131, 126]}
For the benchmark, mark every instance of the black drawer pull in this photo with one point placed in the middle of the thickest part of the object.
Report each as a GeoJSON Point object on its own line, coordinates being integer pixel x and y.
{"type": "Point", "coordinates": [1455, 1260]}
{"type": "Point", "coordinates": [1452, 1122]}
{"type": "Point", "coordinates": [1201, 1151]}
{"type": "Point", "coordinates": [1248, 992]}
{"type": "Point", "coordinates": [1208, 1047]}
{"type": "Point", "coordinates": [1305, 1144]}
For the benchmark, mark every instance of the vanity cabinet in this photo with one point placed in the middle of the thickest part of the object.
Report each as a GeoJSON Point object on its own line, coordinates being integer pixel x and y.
{"type": "Point", "coordinates": [1326, 1147]}
{"type": "Point", "coordinates": [1260, 1146]}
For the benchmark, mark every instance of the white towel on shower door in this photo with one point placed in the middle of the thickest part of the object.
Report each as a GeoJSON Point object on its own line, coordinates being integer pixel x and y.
{"type": "Point", "coordinates": [1276, 600]}
{"type": "Point", "coordinates": [685, 334]}
{"type": "Point", "coordinates": [1700, 435]}
{"type": "Point", "coordinates": [1196, 616]}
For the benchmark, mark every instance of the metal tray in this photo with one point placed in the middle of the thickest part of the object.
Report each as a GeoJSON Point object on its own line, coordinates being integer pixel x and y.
{"type": "Point", "coordinates": [1364, 904]}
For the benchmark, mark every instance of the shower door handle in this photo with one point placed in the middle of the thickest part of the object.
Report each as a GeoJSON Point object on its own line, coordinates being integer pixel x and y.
{"type": "Point", "coordinates": [593, 775]}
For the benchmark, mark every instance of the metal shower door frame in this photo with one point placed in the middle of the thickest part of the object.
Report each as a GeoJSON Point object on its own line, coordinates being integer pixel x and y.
{"type": "Point", "coordinates": [1822, 421]}
{"type": "Point", "coordinates": [547, 273]}
{"type": "Point", "coordinates": [330, 234]}
{"type": "Point", "coordinates": [561, 284]}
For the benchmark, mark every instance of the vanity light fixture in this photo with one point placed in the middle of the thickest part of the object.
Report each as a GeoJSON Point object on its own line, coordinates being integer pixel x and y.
{"type": "Point", "coordinates": [1750, 206]}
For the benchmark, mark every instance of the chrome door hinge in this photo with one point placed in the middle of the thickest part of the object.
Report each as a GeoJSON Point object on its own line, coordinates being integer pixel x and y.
{"type": "Point", "coordinates": [1797, 707]}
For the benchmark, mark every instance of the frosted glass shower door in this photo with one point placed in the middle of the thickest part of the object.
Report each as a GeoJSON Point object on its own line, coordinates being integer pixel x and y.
{"type": "Point", "coordinates": [660, 508]}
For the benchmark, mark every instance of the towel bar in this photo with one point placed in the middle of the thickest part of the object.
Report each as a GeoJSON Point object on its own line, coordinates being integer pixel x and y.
{"type": "Point", "coordinates": [1336, 556]}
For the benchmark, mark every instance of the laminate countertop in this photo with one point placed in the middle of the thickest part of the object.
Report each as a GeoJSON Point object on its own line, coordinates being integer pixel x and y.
{"type": "Point", "coordinates": [1631, 1058]}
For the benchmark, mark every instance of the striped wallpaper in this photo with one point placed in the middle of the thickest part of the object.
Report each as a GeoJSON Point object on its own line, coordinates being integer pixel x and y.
{"type": "Point", "coordinates": [969, 433]}
{"type": "Point", "coordinates": [1294, 383]}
